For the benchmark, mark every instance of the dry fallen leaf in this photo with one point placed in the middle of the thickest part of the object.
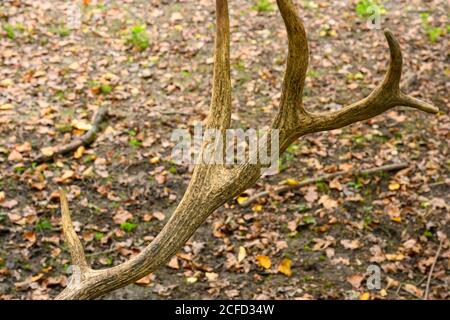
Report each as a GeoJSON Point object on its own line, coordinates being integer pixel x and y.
{"type": "Point", "coordinates": [122, 216]}
{"type": "Point", "coordinates": [264, 261]}
{"type": "Point", "coordinates": [68, 174]}
{"type": "Point", "coordinates": [355, 280]}
{"type": "Point", "coordinates": [395, 257]}
{"type": "Point", "coordinates": [285, 267]}
{"type": "Point", "coordinates": [48, 151]}
{"type": "Point", "coordinates": [257, 208]}
{"type": "Point", "coordinates": [173, 263]}
{"type": "Point", "coordinates": [413, 290]}
{"type": "Point", "coordinates": [144, 281]}
{"type": "Point", "coordinates": [191, 280]}
{"type": "Point", "coordinates": [6, 106]}
{"type": "Point", "coordinates": [15, 156]}
{"type": "Point", "coordinates": [350, 244]}
{"type": "Point", "coordinates": [30, 236]}
{"type": "Point", "coordinates": [9, 204]}
{"type": "Point", "coordinates": [79, 152]}
{"type": "Point", "coordinates": [241, 200]}
{"type": "Point", "coordinates": [155, 160]}
{"type": "Point", "coordinates": [291, 182]}
{"type": "Point", "coordinates": [26, 147]}
{"type": "Point", "coordinates": [211, 276]}
{"type": "Point", "coordinates": [159, 215]}
{"type": "Point", "coordinates": [364, 296]}
{"type": "Point", "coordinates": [311, 195]}
{"type": "Point", "coordinates": [81, 125]}
{"type": "Point", "coordinates": [242, 254]}
{"type": "Point", "coordinates": [327, 202]}
{"type": "Point", "coordinates": [394, 186]}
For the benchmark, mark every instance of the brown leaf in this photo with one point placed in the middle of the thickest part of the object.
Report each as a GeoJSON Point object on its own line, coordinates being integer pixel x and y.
{"type": "Point", "coordinates": [173, 263]}
{"type": "Point", "coordinates": [159, 215]}
{"type": "Point", "coordinates": [311, 196]}
{"type": "Point", "coordinates": [30, 236]}
{"type": "Point", "coordinates": [211, 276]}
{"type": "Point", "coordinates": [413, 290]}
{"type": "Point", "coordinates": [161, 179]}
{"type": "Point", "coordinates": [48, 151]}
{"type": "Point", "coordinates": [145, 280]}
{"type": "Point", "coordinates": [15, 156]}
{"type": "Point", "coordinates": [327, 202]}
{"type": "Point", "coordinates": [335, 184]}
{"type": "Point", "coordinates": [26, 147]}
{"type": "Point", "coordinates": [292, 225]}
{"type": "Point", "coordinates": [68, 174]}
{"type": "Point", "coordinates": [350, 244]}
{"type": "Point", "coordinates": [9, 204]}
{"type": "Point", "coordinates": [355, 280]}
{"type": "Point", "coordinates": [122, 216]}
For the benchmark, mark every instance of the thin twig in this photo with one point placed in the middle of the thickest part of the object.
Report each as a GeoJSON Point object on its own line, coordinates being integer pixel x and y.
{"type": "Point", "coordinates": [430, 274]}
{"type": "Point", "coordinates": [85, 140]}
{"type": "Point", "coordinates": [390, 167]}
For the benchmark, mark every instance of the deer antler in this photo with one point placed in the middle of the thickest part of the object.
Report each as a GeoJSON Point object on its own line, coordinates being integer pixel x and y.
{"type": "Point", "coordinates": [214, 184]}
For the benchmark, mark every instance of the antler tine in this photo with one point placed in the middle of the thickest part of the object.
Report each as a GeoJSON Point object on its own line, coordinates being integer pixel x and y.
{"type": "Point", "coordinates": [386, 96]}
{"type": "Point", "coordinates": [74, 244]}
{"type": "Point", "coordinates": [220, 109]}
{"type": "Point", "coordinates": [297, 64]}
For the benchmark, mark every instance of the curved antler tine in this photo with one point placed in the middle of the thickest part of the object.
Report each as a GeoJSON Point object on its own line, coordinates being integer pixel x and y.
{"type": "Point", "coordinates": [394, 72]}
{"type": "Point", "coordinates": [386, 96]}
{"type": "Point", "coordinates": [296, 67]}
{"type": "Point", "coordinates": [73, 243]}
{"type": "Point", "coordinates": [220, 109]}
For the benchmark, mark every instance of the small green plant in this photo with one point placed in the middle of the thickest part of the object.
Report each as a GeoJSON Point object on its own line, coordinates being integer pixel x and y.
{"type": "Point", "coordinates": [61, 31]}
{"type": "Point", "coordinates": [10, 31]}
{"type": "Point", "coordinates": [99, 236]}
{"type": "Point", "coordinates": [173, 170]}
{"type": "Point", "coordinates": [19, 169]}
{"type": "Point", "coordinates": [313, 74]}
{"type": "Point", "coordinates": [364, 8]}
{"type": "Point", "coordinates": [106, 89]}
{"type": "Point", "coordinates": [309, 220]}
{"type": "Point", "coordinates": [128, 226]}
{"type": "Point", "coordinates": [302, 207]}
{"type": "Point", "coordinates": [428, 234]}
{"type": "Point", "coordinates": [359, 139]}
{"type": "Point", "coordinates": [138, 38]}
{"type": "Point", "coordinates": [355, 184]}
{"type": "Point", "coordinates": [43, 224]}
{"type": "Point", "coordinates": [263, 6]}
{"type": "Point", "coordinates": [322, 186]}
{"type": "Point", "coordinates": [108, 261]}
{"type": "Point", "coordinates": [433, 33]}
{"type": "Point", "coordinates": [135, 142]}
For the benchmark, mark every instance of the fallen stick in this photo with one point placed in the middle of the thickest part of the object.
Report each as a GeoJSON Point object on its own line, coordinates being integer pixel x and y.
{"type": "Point", "coordinates": [430, 274]}
{"type": "Point", "coordinates": [85, 140]}
{"type": "Point", "coordinates": [386, 168]}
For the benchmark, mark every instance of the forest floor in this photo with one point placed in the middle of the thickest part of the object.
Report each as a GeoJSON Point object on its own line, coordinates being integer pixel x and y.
{"type": "Point", "coordinates": [317, 242]}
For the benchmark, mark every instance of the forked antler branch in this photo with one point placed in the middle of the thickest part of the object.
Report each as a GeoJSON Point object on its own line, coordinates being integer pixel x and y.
{"type": "Point", "coordinates": [213, 185]}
